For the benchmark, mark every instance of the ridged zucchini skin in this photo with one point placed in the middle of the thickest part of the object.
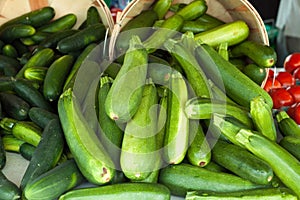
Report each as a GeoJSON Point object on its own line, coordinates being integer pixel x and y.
{"type": "Point", "coordinates": [88, 152]}
{"type": "Point", "coordinates": [53, 183]}
{"type": "Point", "coordinates": [184, 177]}
{"type": "Point", "coordinates": [123, 191]}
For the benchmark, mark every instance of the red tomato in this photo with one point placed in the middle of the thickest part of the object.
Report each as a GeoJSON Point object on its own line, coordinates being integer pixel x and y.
{"type": "Point", "coordinates": [295, 92]}
{"type": "Point", "coordinates": [271, 83]}
{"type": "Point", "coordinates": [286, 79]}
{"type": "Point", "coordinates": [281, 97]}
{"type": "Point", "coordinates": [114, 11]}
{"type": "Point", "coordinates": [296, 73]}
{"type": "Point", "coordinates": [271, 73]}
{"type": "Point", "coordinates": [294, 112]}
{"type": "Point", "coordinates": [292, 62]}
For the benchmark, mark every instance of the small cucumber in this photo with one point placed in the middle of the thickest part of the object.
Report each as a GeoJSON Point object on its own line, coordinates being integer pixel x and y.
{"type": "Point", "coordinates": [53, 183]}
{"type": "Point", "coordinates": [258, 194]}
{"type": "Point", "coordinates": [64, 22]}
{"type": "Point", "coordinates": [35, 74]}
{"type": "Point", "coordinates": [10, 51]}
{"type": "Point", "coordinates": [28, 132]}
{"type": "Point", "coordinates": [92, 16]}
{"type": "Point", "coordinates": [138, 152]}
{"type": "Point", "coordinates": [121, 191]}
{"type": "Point", "coordinates": [14, 106]}
{"type": "Point", "coordinates": [35, 39]}
{"type": "Point", "coordinates": [185, 177]}
{"type": "Point", "coordinates": [176, 139]}
{"type": "Point", "coordinates": [291, 143]}
{"type": "Point", "coordinates": [126, 91]}
{"type": "Point", "coordinates": [79, 40]}
{"type": "Point", "coordinates": [6, 83]}
{"type": "Point", "coordinates": [261, 54]}
{"type": "Point", "coordinates": [41, 116]}
{"type": "Point", "coordinates": [88, 152]}
{"type": "Point", "coordinates": [47, 153]}
{"type": "Point", "coordinates": [256, 73]}
{"type": "Point", "coordinates": [9, 66]}
{"type": "Point", "coordinates": [241, 162]}
{"type": "Point", "coordinates": [231, 33]}
{"type": "Point", "coordinates": [16, 31]}
{"type": "Point", "coordinates": [8, 190]}
{"type": "Point", "coordinates": [26, 150]}
{"type": "Point", "coordinates": [52, 40]}
{"type": "Point", "coordinates": [56, 76]}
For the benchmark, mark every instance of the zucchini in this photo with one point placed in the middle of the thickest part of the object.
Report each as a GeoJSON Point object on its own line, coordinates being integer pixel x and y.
{"type": "Point", "coordinates": [231, 33]}
{"type": "Point", "coordinates": [238, 86]}
{"type": "Point", "coordinates": [121, 191]}
{"type": "Point", "coordinates": [185, 177]}
{"type": "Point", "coordinates": [285, 165]}
{"type": "Point", "coordinates": [91, 34]}
{"type": "Point", "coordinates": [53, 183]}
{"type": "Point", "coordinates": [193, 10]}
{"type": "Point", "coordinates": [56, 76]}
{"type": "Point", "coordinates": [40, 116]}
{"type": "Point", "coordinates": [241, 162]}
{"type": "Point", "coordinates": [47, 153]}
{"type": "Point", "coordinates": [256, 73]}
{"type": "Point", "coordinates": [11, 143]}
{"type": "Point", "coordinates": [27, 131]}
{"type": "Point", "coordinates": [291, 144]}
{"type": "Point", "coordinates": [8, 190]}
{"type": "Point", "coordinates": [2, 154]}
{"type": "Point", "coordinates": [125, 95]}
{"type": "Point", "coordinates": [89, 154]}
{"type": "Point", "coordinates": [14, 106]}
{"type": "Point", "coordinates": [287, 125]}
{"type": "Point", "coordinates": [161, 8]}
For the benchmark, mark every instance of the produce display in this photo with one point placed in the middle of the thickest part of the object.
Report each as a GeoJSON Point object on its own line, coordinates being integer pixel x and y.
{"type": "Point", "coordinates": [182, 107]}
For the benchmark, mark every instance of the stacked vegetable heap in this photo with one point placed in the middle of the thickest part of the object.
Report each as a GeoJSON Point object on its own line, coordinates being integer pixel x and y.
{"type": "Point", "coordinates": [179, 110]}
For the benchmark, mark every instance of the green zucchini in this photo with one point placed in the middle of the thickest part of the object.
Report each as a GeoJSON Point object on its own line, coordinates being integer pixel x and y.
{"type": "Point", "coordinates": [287, 125]}
{"type": "Point", "coordinates": [11, 143]}
{"type": "Point", "coordinates": [185, 177]}
{"type": "Point", "coordinates": [8, 190]}
{"type": "Point", "coordinates": [47, 153]}
{"type": "Point", "coordinates": [238, 86]}
{"type": "Point", "coordinates": [41, 116]}
{"type": "Point", "coordinates": [14, 106]}
{"type": "Point", "coordinates": [2, 154]}
{"type": "Point", "coordinates": [27, 131]}
{"type": "Point", "coordinates": [193, 10]}
{"type": "Point", "coordinates": [53, 183]}
{"type": "Point", "coordinates": [122, 191]}
{"type": "Point", "coordinates": [88, 152]}
{"type": "Point", "coordinates": [291, 144]}
{"type": "Point", "coordinates": [161, 8]}
{"type": "Point", "coordinates": [256, 73]}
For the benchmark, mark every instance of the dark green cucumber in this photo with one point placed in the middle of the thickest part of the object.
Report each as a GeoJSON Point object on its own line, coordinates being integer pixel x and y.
{"type": "Point", "coordinates": [35, 39]}
{"type": "Point", "coordinates": [241, 162]}
{"type": "Point", "coordinates": [10, 51]}
{"type": "Point", "coordinates": [256, 73]}
{"type": "Point", "coordinates": [2, 154]}
{"type": "Point", "coordinates": [261, 54]}
{"type": "Point", "coordinates": [185, 177]}
{"type": "Point", "coordinates": [291, 143]}
{"type": "Point", "coordinates": [258, 194]}
{"type": "Point", "coordinates": [9, 66]}
{"type": "Point", "coordinates": [8, 190]}
{"type": "Point", "coordinates": [122, 191]}
{"type": "Point", "coordinates": [34, 18]}
{"type": "Point", "coordinates": [36, 74]}
{"type": "Point", "coordinates": [14, 106]}
{"type": "Point", "coordinates": [238, 86]}
{"type": "Point", "coordinates": [52, 40]}
{"type": "Point", "coordinates": [26, 150]}
{"type": "Point", "coordinates": [81, 39]}
{"type": "Point", "coordinates": [20, 47]}
{"type": "Point", "coordinates": [287, 125]}
{"type": "Point", "coordinates": [64, 22]}
{"type": "Point", "coordinates": [47, 154]}
{"type": "Point", "coordinates": [41, 116]}
{"type": "Point", "coordinates": [93, 16]}
{"type": "Point", "coordinates": [53, 183]}
{"type": "Point", "coordinates": [56, 76]}
{"type": "Point", "coordinates": [30, 94]}
{"type": "Point", "coordinates": [6, 83]}
{"type": "Point", "coordinates": [16, 31]}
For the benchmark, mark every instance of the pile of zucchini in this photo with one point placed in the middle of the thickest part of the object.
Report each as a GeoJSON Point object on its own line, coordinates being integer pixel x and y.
{"type": "Point", "coordinates": [179, 110]}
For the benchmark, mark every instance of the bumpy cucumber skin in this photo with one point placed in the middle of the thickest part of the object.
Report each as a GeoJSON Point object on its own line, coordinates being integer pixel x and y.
{"type": "Point", "coordinates": [123, 191]}
{"type": "Point", "coordinates": [40, 116]}
{"type": "Point", "coordinates": [8, 189]}
{"type": "Point", "coordinates": [89, 154]}
{"type": "Point", "coordinates": [65, 22]}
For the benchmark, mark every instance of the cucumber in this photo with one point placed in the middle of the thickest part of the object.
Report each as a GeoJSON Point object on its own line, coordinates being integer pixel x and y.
{"type": "Point", "coordinates": [8, 190]}
{"type": "Point", "coordinates": [56, 76]}
{"type": "Point", "coordinates": [47, 153]}
{"type": "Point", "coordinates": [176, 139]}
{"type": "Point", "coordinates": [2, 154]}
{"type": "Point", "coordinates": [10, 51]}
{"type": "Point", "coordinates": [40, 116]}
{"type": "Point", "coordinates": [64, 22]}
{"type": "Point", "coordinates": [6, 83]}
{"type": "Point", "coordinates": [125, 95]}
{"type": "Point", "coordinates": [53, 183]}
{"type": "Point", "coordinates": [35, 39]}
{"type": "Point", "coordinates": [259, 194]}
{"type": "Point", "coordinates": [16, 31]}
{"type": "Point", "coordinates": [92, 16]}
{"type": "Point", "coordinates": [285, 165]}
{"type": "Point", "coordinates": [35, 74]}
{"type": "Point", "coordinates": [241, 162]}
{"type": "Point", "coordinates": [52, 40]}
{"type": "Point", "coordinates": [26, 150]}
{"type": "Point", "coordinates": [93, 33]}
{"type": "Point", "coordinates": [185, 177]}
{"type": "Point", "coordinates": [256, 73]}
{"type": "Point", "coordinates": [231, 33]}
{"type": "Point", "coordinates": [238, 86]}
{"type": "Point", "coordinates": [27, 131]}
{"type": "Point", "coordinates": [291, 144]}
{"type": "Point", "coordinates": [138, 152]}
{"type": "Point", "coordinates": [14, 106]}
{"type": "Point", "coordinates": [88, 152]}
{"type": "Point", "coordinates": [34, 18]}
{"type": "Point", "coordinates": [9, 66]}
{"type": "Point", "coordinates": [122, 191]}
{"type": "Point", "coordinates": [261, 54]}
{"type": "Point", "coordinates": [30, 94]}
